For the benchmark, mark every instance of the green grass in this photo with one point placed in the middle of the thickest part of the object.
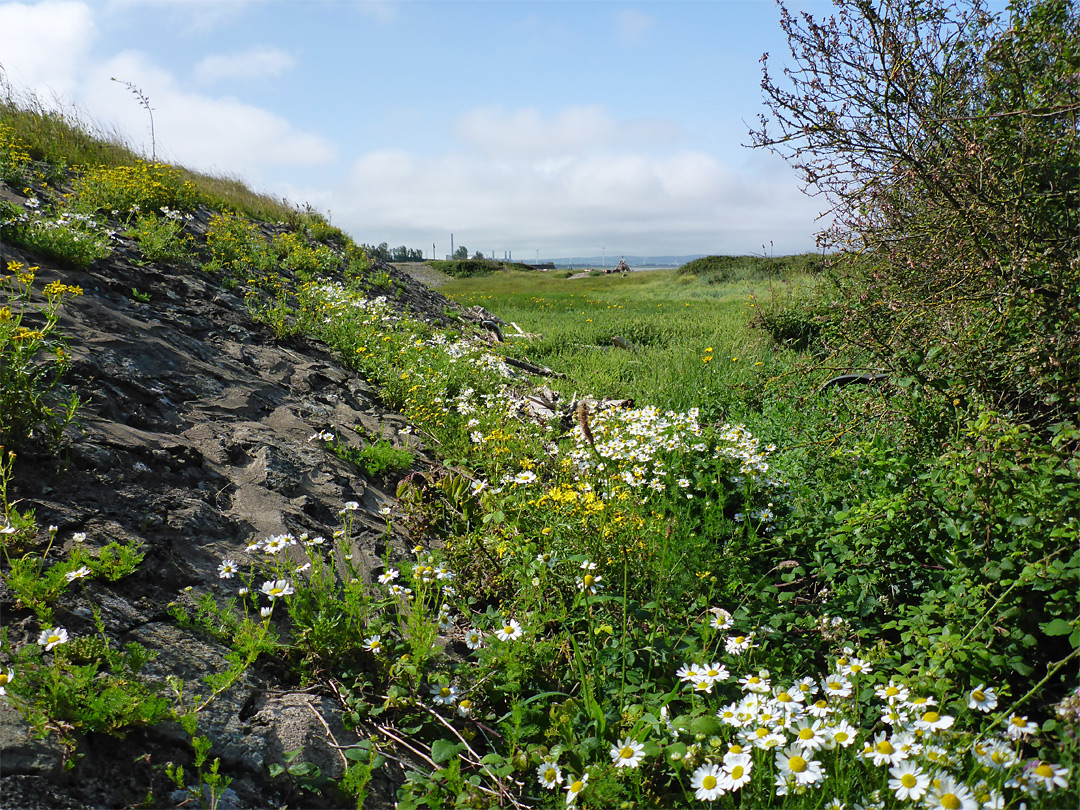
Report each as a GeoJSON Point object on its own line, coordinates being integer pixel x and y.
{"type": "Point", "coordinates": [689, 343]}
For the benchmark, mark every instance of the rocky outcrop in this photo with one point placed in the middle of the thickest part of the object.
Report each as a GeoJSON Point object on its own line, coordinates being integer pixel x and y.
{"type": "Point", "coordinates": [194, 438]}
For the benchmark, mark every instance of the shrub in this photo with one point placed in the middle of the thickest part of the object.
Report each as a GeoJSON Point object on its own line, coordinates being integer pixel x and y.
{"type": "Point", "coordinates": [946, 142]}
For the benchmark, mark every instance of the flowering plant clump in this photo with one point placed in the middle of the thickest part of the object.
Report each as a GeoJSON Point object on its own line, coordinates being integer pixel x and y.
{"type": "Point", "coordinates": [32, 359]}
{"type": "Point", "coordinates": [14, 155]}
{"type": "Point", "coordinates": [77, 239]}
{"type": "Point", "coordinates": [124, 192]}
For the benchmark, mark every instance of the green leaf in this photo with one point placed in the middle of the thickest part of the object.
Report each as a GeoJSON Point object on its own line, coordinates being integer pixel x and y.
{"type": "Point", "coordinates": [1058, 627]}
{"type": "Point", "coordinates": [442, 750]}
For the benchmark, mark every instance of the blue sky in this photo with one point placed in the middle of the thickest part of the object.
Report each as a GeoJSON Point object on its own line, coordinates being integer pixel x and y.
{"type": "Point", "coordinates": [557, 128]}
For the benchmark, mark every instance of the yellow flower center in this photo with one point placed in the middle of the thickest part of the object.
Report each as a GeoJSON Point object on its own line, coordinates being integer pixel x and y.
{"type": "Point", "coordinates": [577, 786]}
{"type": "Point", "coordinates": [891, 691]}
{"type": "Point", "coordinates": [740, 640]}
{"type": "Point", "coordinates": [797, 764]}
{"type": "Point", "coordinates": [762, 733]}
{"type": "Point", "coordinates": [931, 717]}
{"type": "Point", "coordinates": [549, 775]}
{"type": "Point", "coordinates": [754, 679]}
{"type": "Point", "coordinates": [784, 697]}
{"type": "Point", "coordinates": [709, 782]}
{"type": "Point", "coordinates": [737, 772]}
{"type": "Point", "coordinates": [950, 801]}
{"type": "Point", "coordinates": [884, 747]}
{"type": "Point", "coordinates": [626, 752]}
{"type": "Point", "coordinates": [978, 696]}
{"type": "Point", "coordinates": [509, 630]}
{"type": "Point", "coordinates": [53, 639]}
{"type": "Point", "coordinates": [444, 692]}
{"type": "Point", "coordinates": [908, 780]}
{"type": "Point", "coordinates": [806, 734]}
{"type": "Point", "coordinates": [589, 580]}
{"type": "Point", "coordinates": [821, 704]}
{"type": "Point", "coordinates": [840, 736]}
{"type": "Point", "coordinates": [1045, 771]}
{"type": "Point", "coordinates": [736, 749]}
{"type": "Point", "coordinates": [3, 678]}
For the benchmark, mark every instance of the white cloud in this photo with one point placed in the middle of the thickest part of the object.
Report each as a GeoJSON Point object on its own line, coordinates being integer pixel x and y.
{"type": "Point", "coordinates": [197, 130]}
{"type": "Point", "coordinates": [680, 202]}
{"type": "Point", "coordinates": [43, 46]}
{"type": "Point", "coordinates": [526, 134]}
{"type": "Point", "coordinates": [254, 63]}
{"type": "Point", "coordinates": [631, 26]}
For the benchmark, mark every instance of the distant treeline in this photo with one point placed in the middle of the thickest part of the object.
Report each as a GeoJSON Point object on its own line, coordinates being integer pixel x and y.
{"type": "Point", "coordinates": [398, 254]}
{"type": "Point", "coordinates": [720, 269]}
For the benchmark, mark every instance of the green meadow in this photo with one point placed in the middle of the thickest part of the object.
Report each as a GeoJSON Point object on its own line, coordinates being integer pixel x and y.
{"type": "Point", "coordinates": [688, 341]}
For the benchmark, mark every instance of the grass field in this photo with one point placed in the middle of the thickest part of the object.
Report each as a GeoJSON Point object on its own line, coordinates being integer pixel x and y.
{"type": "Point", "coordinates": [689, 341]}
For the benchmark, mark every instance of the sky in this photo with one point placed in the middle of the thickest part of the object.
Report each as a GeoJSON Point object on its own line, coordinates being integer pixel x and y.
{"type": "Point", "coordinates": [546, 129]}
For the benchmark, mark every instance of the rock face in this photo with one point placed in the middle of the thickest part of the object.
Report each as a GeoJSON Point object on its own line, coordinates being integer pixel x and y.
{"type": "Point", "coordinates": [193, 439]}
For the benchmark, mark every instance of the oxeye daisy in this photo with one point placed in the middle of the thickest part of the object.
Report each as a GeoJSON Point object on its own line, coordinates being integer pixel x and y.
{"type": "Point", "coordinates": [892, 692]}
{"type": "Point", "coordinates": [227, 569]}
{"type": "Point", "coordinates": [982, 698]}
{"type": "Point", "coordinates": [444, 695]}
{"type": "Point", "coordinates": [933, 721]}
{"type": "Point", "coordinates": [474, 639]}
{"type": "Point", "coordinates": [627, 753]}
{"type": "Point", "coordinates": [277, 588]}
{"type": "Point", "coordinates": [738, 644]}
{"type": "Point", "coordinates": [549, 775]}
{"type": "Point", "coordinates": [1020, 727]}
{"type": "Point", "coordinates": [373, 644]}
{"type": "Point", "coordinates": [388, 576]}
{"type": "Point", "coordinates": [908, 781]}
{"type": "Point", "coordinates": [706, 782]}
{"type": "Point", "coordinates": [689, 672]}
{"type": "Point", "coordinates": [590, 583]}
{"type": "Point", "coordinates": [714, 672]}
{"type": "Point", "coordinates": [6, 677]}
{"type": "Point", "coordinates": [464, 708]}
{"type": "Point", "coordinates": [810, 735]}
{"type": "Point", "coordinates": [843, 734]}
{"type": "Point", "coordinates": [78, 573]}
{"type": "Point", "coordinates": [721, 619]}
{"type": "Point", "coordinates": [52, 638]}
{"type": "Point", "coordinates": [797, 764]}
{"type": "Point", "coordinates": [510, 631]}
{"type": "Point", "coordinates": [1047, 776]}
{"type": "Point", "coordinates": [836, 686]}
{"type": "Point", "coordinates": [856, 666]}
{"type": "Point", "coordinates": [947, 793]}
{"type": "Point", "coordinates": [737, 769]}
{"type": "Point", "coordinates": [882, 751]}
{"type": "Point", "coordinates": [575, 786]}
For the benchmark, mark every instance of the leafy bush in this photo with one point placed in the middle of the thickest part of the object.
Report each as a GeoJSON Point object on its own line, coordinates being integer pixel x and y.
{"type": "Point", "coordinates": [945, 139]}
